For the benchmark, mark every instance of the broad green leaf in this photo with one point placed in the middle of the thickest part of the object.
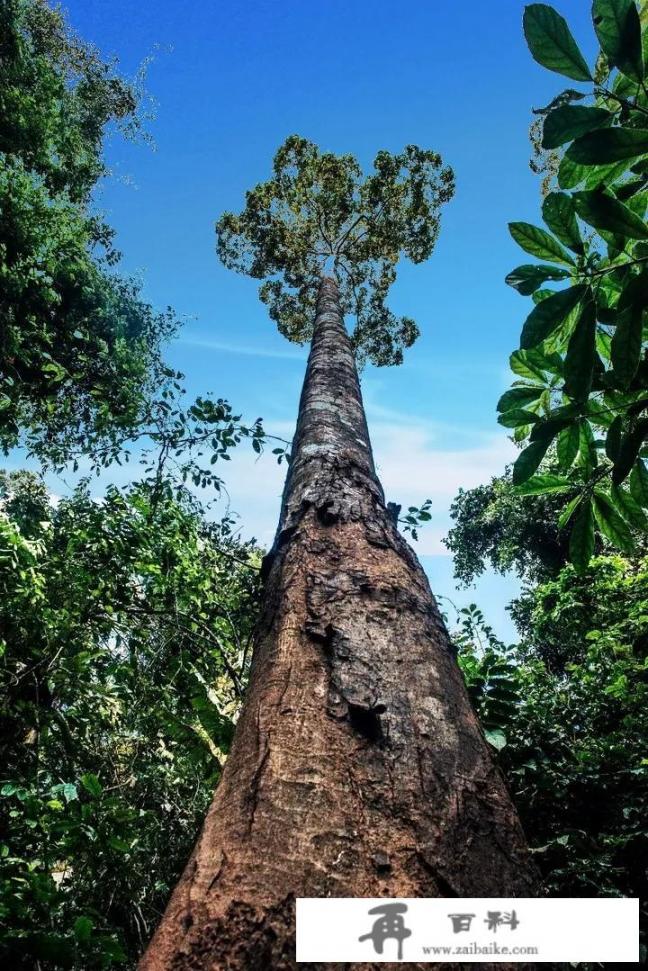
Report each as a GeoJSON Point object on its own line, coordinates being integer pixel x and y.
{"type": "Point", "coordinates": [549, 314]}
{"type": "Point", "coordinates": [70, 791]}
{"type": "Point", "coordinates": [538, 242]}
{"type": "Point", "coordinates": [496, 737]}
{"type": "Point", "coordinates": [581, 540]}
{"type": "Point", "coordinates": [613, 439]}
{"type": "Point", "coordinates": [611, 524]}
{"type": "Point", "coordinates": [516, 418]}
{"type": "Point", "coordinates": [604, 175]}
{"type": "Point", "coordinates": [91, 784]}
{"type": "Point", "coordinates": [518, 397]}
{"type": "Point", "coordinates": [527, 278]}
{"type": "Point", "coordinates": [581, 352]}
{"type": "Point", "coordinates": [571, 121]}
{"type": "Point", "coordinates": [568, 511]}
{"type": "Point", "coordinates": [538, 485]}
{"type": "Point", "coordinates": [546, 429]}
{"type": "Point", "coordinates": [567, 445]}
{"type": "Point", "coordinates": [608, 145]}
{"type": "Point", "coordinates": [559, 213]}
{"type": "Point", "coordinates": [529, 365]}
{"type": "Point", "coordinates": [116, 843]}
{"type": "Point", "coordinates": [639, 483]}
{"type": "Point", "coordinates": [551, 43]}
{"type": "Point", "coordinates": [83, 928]}
{"type": "Point", "coordinates": [542, 295]}
{"type": "Point", "coordinates": [588, 456]}
{"type": "Point", "coordinates": [626, 345]}
{"type": "Point", "coordinates": [617, 27]}
{"type": "Point", "coordinates": [528, 461]}
{"type": "Point", "coordinates": [572, 174]}
{"type": "Point", "coordinates": [628, 507]}
{"type": "Point", "coordinates": [602, 211]}
{"type": "Point", "coordinates": [631, 443]}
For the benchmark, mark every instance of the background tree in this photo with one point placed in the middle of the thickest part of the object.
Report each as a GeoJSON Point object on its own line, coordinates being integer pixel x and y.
{"type": "Point", "coordinates": [582, 366]}
{"type": "Point", "coordinates": [79, 348]}
{"type": "Point", "coordinates": [566, 710]}
{"type": "Point", "coordinates": [356, 710]}
{"type": "Point", "coordinates": [124, 639]}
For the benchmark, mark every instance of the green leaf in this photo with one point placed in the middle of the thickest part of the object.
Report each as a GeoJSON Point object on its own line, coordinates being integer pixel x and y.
{"type": "Point", "coordinates": [567, 445]}
{"type": "Point", "coordinates": [581, 540]}
{"type": "Point", "coordinates": [608, 145]}
{"type": "Point", "coordinates": [626, 345]}
{"type": "Point", "coordinates": [549, 314]}
{"type": "Point", "coordinates": [571, 121]}
{"type": "Point", "coordinates": [528, 460]}
{"type": "Point", "coordinates": [602, 211]}
{"type": "Point", "coordinates": [559, 213]}
{"type": "Point", "coordinates": [518, 397]}
{"type": "Point", "coordinates": [529, 365]}
{"type": "Point", "coordinates": [571, 174]}
{"type": "Point", "coordinates": [628, 507]}
{"type": "Point", "coordinates": [527, 278]}
{"type": "Point", "coordinates": [611, 524]}
{"type": "Point", "coordinates": [588, 457]}
{"type": "Point", "coordinates": [119, 844]}
{"type": "Point", "coordinates": [516, 418]}
{"type": "Point", "coordinates": [613, 439]}
{"type": "Point", "coordinates": [639, 483]}
{"type": "Point", "coordinates": [568, 511]}
{"type": "Point", "coordinates": [69, 791]}
{"type": "Point", "coordinates": [538, 485]}
{"type": "Point", "coordinates": [551, 43]}
{"type": "Point", "coordinates": [91, 784]}
{"type": "Point", "coordinates": [581, 352]}
{"type": "Point", "coordinates": [83, 928]}
{"type": "Point", "coordinates": [539, 243]}
{"type": "Point", "coordinates": [496, 737]}
{"type": "Point", "coordinates": [629, 450]}
{"type": "Point", "coordinates": [617, 27]}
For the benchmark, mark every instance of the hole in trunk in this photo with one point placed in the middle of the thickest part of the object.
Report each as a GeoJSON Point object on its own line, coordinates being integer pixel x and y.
{"type": "Point", "coordinates": [366, 721]}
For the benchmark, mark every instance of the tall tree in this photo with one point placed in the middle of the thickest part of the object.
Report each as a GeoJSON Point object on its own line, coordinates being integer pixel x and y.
{"type": "Point", "coordinates": [358, 765]}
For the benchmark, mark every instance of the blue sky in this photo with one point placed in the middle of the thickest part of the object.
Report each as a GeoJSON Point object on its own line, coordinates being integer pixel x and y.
{"type": "Point", "coordinates": [231, 81]}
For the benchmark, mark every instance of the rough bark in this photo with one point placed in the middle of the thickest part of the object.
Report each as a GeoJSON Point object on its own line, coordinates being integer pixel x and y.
{"type": "Point", "coordinates": [358, 766]}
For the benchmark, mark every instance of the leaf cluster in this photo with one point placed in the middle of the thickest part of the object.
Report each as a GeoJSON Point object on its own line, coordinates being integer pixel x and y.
{"type": "Point", "coordinates": [125, 629]}
{"type": "Point", "coordinates": [79, 347]}
{"type": "Point", "coordinates": [582, 367]}
{"type": "Point", "coordinates": [572, 741]}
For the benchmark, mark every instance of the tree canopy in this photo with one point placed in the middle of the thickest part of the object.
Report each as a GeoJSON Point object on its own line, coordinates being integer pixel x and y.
{"type": "Point", "coordinates": [582, 368]}
{"type": "Point", "coordinates": [124, 637]}
{"type": "Point", "coordinates": [79, 347]}
{"type": "Point", "coordinates": [318, 212]}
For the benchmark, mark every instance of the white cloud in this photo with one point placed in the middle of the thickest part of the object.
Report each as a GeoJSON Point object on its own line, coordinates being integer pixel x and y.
{"type": "Point", "coordinates": [409, 464]}
{"type": "Point", "coordinates": [246, 350]}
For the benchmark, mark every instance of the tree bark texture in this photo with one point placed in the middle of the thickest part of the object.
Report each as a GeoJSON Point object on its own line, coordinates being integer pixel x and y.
{"type": "Point", "coordinates": [358, 766]}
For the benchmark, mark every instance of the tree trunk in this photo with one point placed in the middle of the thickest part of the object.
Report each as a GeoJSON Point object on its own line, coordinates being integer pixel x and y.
{"type": "Point", "coordinates": [358, 767]}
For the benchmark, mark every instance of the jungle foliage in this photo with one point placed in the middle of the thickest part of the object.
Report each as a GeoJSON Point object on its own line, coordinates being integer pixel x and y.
{"type": "Point", "coordinates": [318, 214]}
{"type": "Point", "coordinates": [79, 348]}
{"type": "Point", "coordinates": [565, 707]}
{"type": "Point", "coordinates": [124, 638]}
{"type": "Point", "coordinates": [582, 366]}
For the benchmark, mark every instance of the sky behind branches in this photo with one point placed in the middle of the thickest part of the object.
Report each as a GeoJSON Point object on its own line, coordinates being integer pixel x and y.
{"type": "Point", "coordinates": [231, 81]}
